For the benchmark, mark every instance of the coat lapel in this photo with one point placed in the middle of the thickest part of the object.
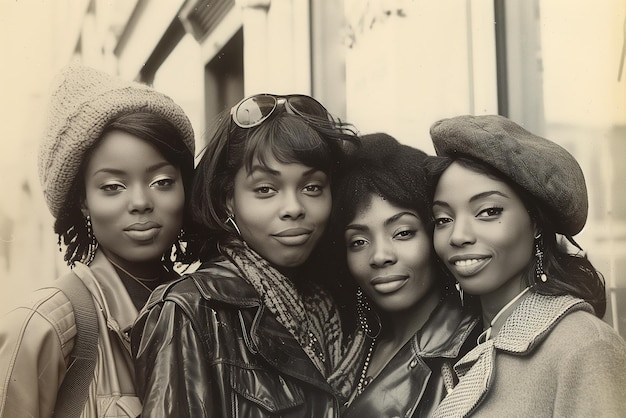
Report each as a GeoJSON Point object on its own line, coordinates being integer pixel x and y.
{"type": "Point", "coordinates": [278, 347]}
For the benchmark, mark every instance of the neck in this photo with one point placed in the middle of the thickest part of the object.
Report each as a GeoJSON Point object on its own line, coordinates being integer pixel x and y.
{"type": "Point", "coordinates": [146, 270]}
{"type": "Point", "coordinates": [493, 302]}
{"type": "Point", "coordinates": [402, 325]}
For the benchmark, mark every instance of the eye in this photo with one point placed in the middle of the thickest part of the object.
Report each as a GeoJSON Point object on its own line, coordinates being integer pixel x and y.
{"type": "Point", "coordinates": [405, 234]}
{"type": "Point", "coordinates": [490, 212]}
{"type": "Point", "coordinates": [264, 191]}
{"type": "Point", "coordinates": [313, 189]}
{"type": "Point", "coordinates": [442, 220]}
{"type": "Point", "coordinates": [163, 183]}
{"type": "Point", "coordinates": [112, 187]}
{"type": "Point", "coordinates": [357, 243]}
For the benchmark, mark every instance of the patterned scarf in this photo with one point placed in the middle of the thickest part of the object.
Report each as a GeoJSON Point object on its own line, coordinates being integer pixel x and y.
{"type": "Point", "coordinates": [312, 320]}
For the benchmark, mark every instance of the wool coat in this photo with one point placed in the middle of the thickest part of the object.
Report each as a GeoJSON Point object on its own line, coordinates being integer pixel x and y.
{"type": "Point", "coordinates": [551, 358]}
{"type": "Point", "coordinates": [37, 338]}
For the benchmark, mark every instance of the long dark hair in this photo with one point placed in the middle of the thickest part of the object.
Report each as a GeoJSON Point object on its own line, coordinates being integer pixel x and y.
{"type": "Point", "coordinates": [70, 224]}
{"type": "Point", "coordinates": [568, 273]}
{"type": "Point", "coordinates": [318, 143]}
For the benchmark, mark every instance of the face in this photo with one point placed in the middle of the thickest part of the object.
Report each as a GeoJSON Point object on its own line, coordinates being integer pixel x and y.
{"type": "Point", "coordinates": [281, 210]}
{"type": "Point", "coordinates": [135, 199]}
{"type": "Point", "coordinates": [483, 232]}
{"type": "Point", "coordinates": [389, 255]}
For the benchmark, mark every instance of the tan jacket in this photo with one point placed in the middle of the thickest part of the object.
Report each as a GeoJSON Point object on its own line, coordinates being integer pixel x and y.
{"type": "Point", "coordinates": [37, 338]}
{"type": "Point", "coordinates": [552, 358]}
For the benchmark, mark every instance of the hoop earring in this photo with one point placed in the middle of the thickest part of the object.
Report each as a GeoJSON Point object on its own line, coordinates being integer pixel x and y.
{"type": "Point", "coordinates": [540, 274]}
{"type": "Point", "coordinates": [460, 290]}
{"type": "Point", "coordinates": [93, 244]}
{"type": "Point", "coordinates": [362, 309]}
{"type": "Point", "coordinates": [231, 219]}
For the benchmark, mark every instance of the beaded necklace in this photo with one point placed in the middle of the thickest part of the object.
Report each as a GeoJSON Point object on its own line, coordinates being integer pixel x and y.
{"type": "Point", "coordinates": [364, 380]}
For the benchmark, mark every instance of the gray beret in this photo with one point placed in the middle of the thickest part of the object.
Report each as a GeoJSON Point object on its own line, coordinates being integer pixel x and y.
{"type": "Point", "coordinates": [83, 101]}
{"type": "Point", "coordinates": [539, 166]}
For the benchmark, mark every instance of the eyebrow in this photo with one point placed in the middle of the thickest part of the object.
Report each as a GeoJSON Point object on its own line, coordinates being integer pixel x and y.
{"type": "Point", "coordinates": [475, 197]}
{"type": "Point", "coordinates": [118, 172]}
{"type": "Point", "coordinates": [388, 221]}
{"type": "Point", "coordinates": [277, 173]}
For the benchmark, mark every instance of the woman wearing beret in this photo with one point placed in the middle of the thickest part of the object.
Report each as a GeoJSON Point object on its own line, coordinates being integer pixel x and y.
{"type": "Point", "coordinates": [417, 326]}
{"type": "Point", "coordinates": [252, 333]}
{"type": "Point", "coordinates": [115, 166]}
{"type": "Point", "coordinates": [506, 206]}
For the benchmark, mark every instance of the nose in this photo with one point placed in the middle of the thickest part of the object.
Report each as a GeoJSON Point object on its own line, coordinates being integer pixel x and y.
{"type": "Point", "coordinates": [140, 200]}
{"type": "Point", "coordinates": [382, 255]}
{"type": "Point", "coordinates": [462, 233]}
{"type": "Point", "coordinates": [292, 207]}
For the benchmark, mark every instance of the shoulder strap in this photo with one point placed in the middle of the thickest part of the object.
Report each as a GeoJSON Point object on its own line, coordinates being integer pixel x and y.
{"type": "Point", "coordinates": [74, 389]}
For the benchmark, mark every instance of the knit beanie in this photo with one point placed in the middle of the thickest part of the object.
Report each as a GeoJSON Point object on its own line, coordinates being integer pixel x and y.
{"type": "Point", "coordinates": [541, 167]}
{"type": "Point", "coordinates": [83, 101]}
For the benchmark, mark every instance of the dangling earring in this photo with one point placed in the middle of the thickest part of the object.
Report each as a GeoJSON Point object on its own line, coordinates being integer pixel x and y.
{"type": "Point", "coordinates": [93, 244]}
{"type": "Point", "coordinates": [363, 308]}
{"type": "Point", "coordinates": [460, 290]}
{"type": "Point", "coordinates": [539, 273]}
{"type": "Point", "coordinates": [231, 219]}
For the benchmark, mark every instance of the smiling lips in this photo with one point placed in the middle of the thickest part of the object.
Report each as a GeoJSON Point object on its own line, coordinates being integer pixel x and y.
{"type": "Point", "coordinates": [468, 265]}
{"type": "Point", "coordinates": [293, 236]}
{"type": "Point", "coordinates": [142, 231]}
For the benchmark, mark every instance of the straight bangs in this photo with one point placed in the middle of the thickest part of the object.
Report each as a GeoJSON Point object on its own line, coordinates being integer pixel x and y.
{"type": "Point", "coordinates": [290, 140]}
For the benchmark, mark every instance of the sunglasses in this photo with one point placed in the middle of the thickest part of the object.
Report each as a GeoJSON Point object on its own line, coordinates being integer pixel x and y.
{"type": "Point", "coordinates": [253, 110]}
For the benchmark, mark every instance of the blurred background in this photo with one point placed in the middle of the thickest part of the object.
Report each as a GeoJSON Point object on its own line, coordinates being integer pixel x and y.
{"type": "Point", "coordinates": [554, 66]}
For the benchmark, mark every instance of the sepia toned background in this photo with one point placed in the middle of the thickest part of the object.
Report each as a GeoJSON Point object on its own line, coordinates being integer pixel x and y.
{"type": "Point", "coordinates": [396, 66]}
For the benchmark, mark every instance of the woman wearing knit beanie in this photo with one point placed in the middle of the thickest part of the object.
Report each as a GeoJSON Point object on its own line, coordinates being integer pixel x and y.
{"type": "Point", "coordinates": [115, 165]}
{"type": "Point", "coordinates": [252, 333]}
{"type": "Point", "coordinates": [506, 205]}
{"type": "Point", "coordinates": [408, 308]}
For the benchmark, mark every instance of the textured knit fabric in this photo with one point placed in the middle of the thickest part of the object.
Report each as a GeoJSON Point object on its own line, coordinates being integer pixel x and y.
{"type": "Point", "coordinates": [36, 340]}
{"type": "Point", "coordinates": [552, 358]}
{"type": "Point", "coordinates": [82, 102]}
{"type": "Point", "coordinates": [320, 339]}
{"type": "Point", "coordinates": [538, 165]}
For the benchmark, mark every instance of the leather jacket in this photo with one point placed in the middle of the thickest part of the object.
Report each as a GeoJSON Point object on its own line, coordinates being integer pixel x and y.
{"type": "Point", "coordinates": [206, 346]}
{"type": "Point", "coordinates": [412, 383]}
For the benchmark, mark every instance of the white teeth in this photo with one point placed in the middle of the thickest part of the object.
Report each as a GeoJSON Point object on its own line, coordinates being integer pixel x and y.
{"type": "Point", "coordinates": [468, 262]}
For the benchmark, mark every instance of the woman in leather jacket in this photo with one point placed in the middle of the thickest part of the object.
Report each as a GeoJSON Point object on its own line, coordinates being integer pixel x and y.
{"type": "Point", "coordinates": [416, 325]}
{"type": "Point", "coordinates": [252, 333]}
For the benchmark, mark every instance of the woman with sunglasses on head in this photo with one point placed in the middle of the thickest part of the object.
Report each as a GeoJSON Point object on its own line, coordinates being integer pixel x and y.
{"type": "Point", "coordinates": [116, 167]}
{"type": "Point", "coordinates": [506, 204]}
{"type": "Point", "coordinates": [251, 333]}
{"type": "Point", "coordinates": [407, 306]}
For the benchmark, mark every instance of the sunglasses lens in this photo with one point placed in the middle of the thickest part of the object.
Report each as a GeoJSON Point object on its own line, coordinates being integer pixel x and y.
{"type": "Point", "coordinates": [252, 111]}
{"type": "Point", "coordinates": [307, 106]}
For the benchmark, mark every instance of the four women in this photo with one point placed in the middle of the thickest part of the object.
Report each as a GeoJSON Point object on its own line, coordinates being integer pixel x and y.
{"type": "Point", "coordinates": [116, 166]}
{"type": "Point", "coordinates": [506, 204]}
{"type": "Point", "coordinates": [253, 332]}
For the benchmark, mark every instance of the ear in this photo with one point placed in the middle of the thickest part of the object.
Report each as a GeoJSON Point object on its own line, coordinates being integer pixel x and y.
{"type": "Point", "coordinates": [230, 205]}
{"type": "Point", "coordinates": [537, 230]}
{"type": "Point", "coordinates": [83, 208]}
